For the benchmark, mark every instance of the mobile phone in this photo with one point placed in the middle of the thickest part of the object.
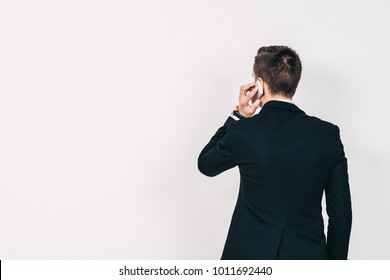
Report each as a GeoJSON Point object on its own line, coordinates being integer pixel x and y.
{"type": "Point", "coordinates": [259, 92]}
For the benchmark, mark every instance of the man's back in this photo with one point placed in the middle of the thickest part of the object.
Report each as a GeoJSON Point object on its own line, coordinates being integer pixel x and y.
{"type": "Point", "coordinates": [286, 161]}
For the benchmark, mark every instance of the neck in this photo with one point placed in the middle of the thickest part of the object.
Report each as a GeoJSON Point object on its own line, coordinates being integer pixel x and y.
{"type": "Point", "coordinates": [277, 96]}
{"type": "Point", "coordinates": [280, 96]}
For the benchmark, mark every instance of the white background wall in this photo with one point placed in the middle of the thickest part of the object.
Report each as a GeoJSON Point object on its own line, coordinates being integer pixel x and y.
{"type": "Point", "coordinates": [105, 106]}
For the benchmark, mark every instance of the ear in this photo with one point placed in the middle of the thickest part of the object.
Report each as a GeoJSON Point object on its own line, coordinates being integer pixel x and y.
{"type": "Point", "coordinates": [264, 85]}
{"type": "Point", "coordinates": [261, 82]}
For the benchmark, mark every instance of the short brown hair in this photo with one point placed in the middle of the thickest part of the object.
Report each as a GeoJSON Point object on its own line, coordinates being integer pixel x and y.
{"type": "Point", "coordinates": [280, 67]}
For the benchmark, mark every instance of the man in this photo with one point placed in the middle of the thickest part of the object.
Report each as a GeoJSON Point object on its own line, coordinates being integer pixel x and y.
{"type": "Point", "coordinates": [287, 160]}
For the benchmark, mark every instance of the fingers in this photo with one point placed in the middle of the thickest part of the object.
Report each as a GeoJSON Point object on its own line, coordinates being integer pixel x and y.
{"type": "Point", "coordinates": [252, 93]}
{"type": "Point", "coordinates": [252, 109]}
{"type": "Point", "coordinates": [244, 97]}
{"type": "Point", "coordinates": [256, 104]}
{"type": "Point", "coordinates": [244, 89]}
{"type": "Point", "coordinates": [247, 104]}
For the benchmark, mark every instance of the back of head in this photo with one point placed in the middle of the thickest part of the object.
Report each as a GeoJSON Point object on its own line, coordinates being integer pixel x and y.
{"type": "Point", "coordinates": [280, 67]}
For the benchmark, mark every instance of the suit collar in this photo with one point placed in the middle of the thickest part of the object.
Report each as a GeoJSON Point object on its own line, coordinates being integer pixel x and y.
{"type": "Point", "coordinates": [281, 105]}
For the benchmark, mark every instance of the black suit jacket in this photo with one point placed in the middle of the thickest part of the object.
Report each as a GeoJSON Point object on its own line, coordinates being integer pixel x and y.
{"type": "Point", "coordinates": [286, 160]}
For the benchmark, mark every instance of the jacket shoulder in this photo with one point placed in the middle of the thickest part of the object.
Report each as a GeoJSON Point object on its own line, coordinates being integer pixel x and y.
{"type": "Point", "coordinates": [239, 124]}
{"type": "Point", "coordinates": [326, 125]}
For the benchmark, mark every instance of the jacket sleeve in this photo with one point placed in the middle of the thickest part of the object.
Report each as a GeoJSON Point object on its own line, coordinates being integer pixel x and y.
{"type": "Point", "coordinates": [217, 155]}
{"type": "Point", "coordinates": [338, 206]}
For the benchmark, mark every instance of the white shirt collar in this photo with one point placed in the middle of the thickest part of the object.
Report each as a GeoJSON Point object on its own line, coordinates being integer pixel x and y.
{"type": "Point", "coordinates": [283, 99]}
